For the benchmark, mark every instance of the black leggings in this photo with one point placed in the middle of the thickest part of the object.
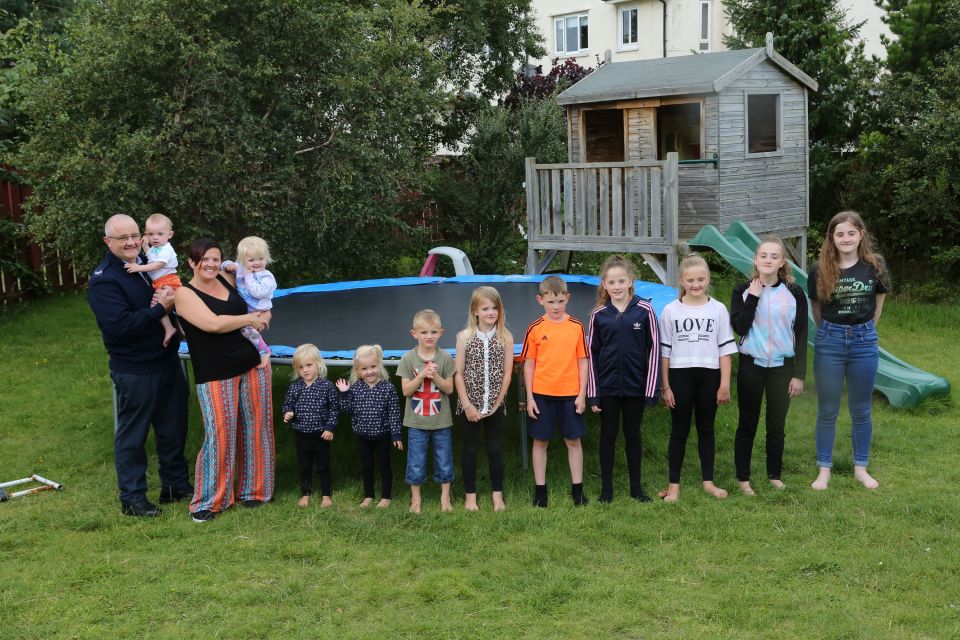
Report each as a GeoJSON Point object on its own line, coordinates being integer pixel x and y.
{"type": "Point", "coordinates": [378, 450]}
{"type": "Point", "coordinates": [491, 426]}
{"type": "Point", "coordinates": [752, 383]}
{"type": "Point", "coordinates": [611, 408]}
{"type": "Point", "coordinates": [311, 448]}
{"type": "Point", "coordinates": [694, 390]}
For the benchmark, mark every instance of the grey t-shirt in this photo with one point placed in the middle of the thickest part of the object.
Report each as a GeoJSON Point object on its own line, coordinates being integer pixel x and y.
{"type": "Point", "coordinates": [428, 408]}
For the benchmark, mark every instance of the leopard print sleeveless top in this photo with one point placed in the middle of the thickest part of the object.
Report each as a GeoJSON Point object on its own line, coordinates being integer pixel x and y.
{"type": "Point", "coordinates": [483, 372]}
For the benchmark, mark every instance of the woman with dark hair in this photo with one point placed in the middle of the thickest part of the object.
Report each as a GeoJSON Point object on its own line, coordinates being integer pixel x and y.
{"type": "Point", "coordinates": [232, 386]}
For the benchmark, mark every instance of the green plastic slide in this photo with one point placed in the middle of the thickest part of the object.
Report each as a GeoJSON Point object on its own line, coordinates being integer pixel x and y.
{"type": "Point", "coordinates": [904, 385]}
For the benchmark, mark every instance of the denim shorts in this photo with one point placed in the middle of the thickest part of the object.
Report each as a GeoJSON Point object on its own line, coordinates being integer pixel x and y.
{"type": "Point", "coordinates": [418, 442]}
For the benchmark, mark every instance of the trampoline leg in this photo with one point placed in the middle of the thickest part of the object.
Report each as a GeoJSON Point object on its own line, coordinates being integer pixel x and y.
{"type": "Point", "coordinates": [522, 409]}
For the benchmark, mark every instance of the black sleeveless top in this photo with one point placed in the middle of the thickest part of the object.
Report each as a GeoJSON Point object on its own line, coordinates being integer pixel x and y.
{"type": "Point", "coordinates": [219, 356]}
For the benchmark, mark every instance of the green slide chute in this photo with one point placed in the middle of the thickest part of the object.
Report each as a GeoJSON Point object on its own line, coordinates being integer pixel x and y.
{"type": "Point", "coordinates": [903, 384]}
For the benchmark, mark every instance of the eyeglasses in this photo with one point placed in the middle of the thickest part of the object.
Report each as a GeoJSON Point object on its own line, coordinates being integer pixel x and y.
{"type": "Point", "coordinates": [132, 236]}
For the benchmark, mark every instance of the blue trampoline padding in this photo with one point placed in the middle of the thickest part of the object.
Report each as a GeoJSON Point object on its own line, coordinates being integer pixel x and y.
{"type": "Point", "coordinates": [659, 295]}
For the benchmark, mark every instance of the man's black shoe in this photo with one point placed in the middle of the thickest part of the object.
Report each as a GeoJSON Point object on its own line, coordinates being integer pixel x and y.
{"type": "Point", "coordinates": [169, 494]}
{"type": "Point", "coordinates": [144, 508]}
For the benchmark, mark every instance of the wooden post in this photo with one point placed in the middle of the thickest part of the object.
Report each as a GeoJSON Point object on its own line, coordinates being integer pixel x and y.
{"type": "Point", "coordinates": [671, 199]}
{"type": "Point", "coordinates": [530, 165]}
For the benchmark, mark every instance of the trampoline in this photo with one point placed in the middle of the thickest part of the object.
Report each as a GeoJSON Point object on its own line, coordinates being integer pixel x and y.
{"type": "Point", "coordinates": [340, 316]}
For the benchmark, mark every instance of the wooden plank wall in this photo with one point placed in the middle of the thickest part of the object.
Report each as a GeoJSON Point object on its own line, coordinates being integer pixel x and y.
{"type": "Point", "coordinates": [768, 193]}
{"type": "Point", "coordinates": [699, 184]}
{"type": "Point", "coordinates": [602, 206]}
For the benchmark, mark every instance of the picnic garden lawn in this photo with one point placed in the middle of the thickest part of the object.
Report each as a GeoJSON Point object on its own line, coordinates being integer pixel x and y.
{"type": "Point", "coordinates": [845, 563]}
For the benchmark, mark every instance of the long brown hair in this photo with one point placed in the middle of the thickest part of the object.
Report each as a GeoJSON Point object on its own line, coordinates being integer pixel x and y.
{"type": "Point", "coordinates": [614, 262]}
{"type": "Point", "coordinates": [828, 267]}
{"type": "Point", "coordinates": [784, 272]}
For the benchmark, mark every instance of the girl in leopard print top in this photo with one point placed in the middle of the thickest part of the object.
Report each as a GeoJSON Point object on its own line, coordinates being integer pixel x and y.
{"type": "Point", "coordinates": [484, 367]}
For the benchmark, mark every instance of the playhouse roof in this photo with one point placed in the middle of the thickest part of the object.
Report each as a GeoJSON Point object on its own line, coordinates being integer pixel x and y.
{"type": "Point", "coordinates": [699, 73]}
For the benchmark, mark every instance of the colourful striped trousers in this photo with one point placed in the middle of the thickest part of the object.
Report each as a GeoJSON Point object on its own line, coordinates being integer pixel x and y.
{"type": "Point", "coordinates": [237, 459]}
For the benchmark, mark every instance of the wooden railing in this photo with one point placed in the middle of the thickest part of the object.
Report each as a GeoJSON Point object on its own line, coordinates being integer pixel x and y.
{"type": "Point", "coordinates": [603, 206]}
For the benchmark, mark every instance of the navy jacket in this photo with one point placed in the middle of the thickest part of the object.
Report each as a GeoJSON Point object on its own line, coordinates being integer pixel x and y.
{"type": "Point", "coordinates": [131, 328]}
{"type": "Point", "coordinates": [624, 352]}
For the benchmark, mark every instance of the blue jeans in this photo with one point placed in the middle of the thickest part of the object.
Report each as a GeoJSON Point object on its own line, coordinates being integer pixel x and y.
{"type": "Point", "coordinates": [418, 442]}
{"type": "Point", "coordinates": [851, 353]}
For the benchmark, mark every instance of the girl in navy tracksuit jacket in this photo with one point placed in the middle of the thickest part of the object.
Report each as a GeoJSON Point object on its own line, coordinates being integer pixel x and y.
{"type": "Point", "coordinates": [624, 369]}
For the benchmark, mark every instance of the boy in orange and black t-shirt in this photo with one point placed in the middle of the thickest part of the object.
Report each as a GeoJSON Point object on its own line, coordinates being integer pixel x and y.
{"type": "Point", "coordinates": [555, 373]}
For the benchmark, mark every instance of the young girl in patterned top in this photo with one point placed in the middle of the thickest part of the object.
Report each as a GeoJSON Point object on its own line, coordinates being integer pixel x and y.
{"type": "Point", "coordinates": [484, 367]}
{"type": "Point", "coordinates": [769, 311]}
{"type": "Point", "coordinates": [373, 402]}
{"type": "Point", "coordinates": [312, 408]}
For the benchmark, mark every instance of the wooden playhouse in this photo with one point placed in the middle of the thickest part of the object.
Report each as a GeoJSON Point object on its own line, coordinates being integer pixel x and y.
{"type": "Point", "coordinates": [659, 148]}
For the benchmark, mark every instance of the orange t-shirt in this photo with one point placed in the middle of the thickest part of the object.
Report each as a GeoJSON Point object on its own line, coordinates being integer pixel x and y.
{"type": "Point", "coordinates": [557, 347]}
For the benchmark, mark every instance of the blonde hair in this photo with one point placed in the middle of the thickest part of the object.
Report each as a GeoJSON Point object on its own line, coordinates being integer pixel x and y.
{"type": "Point", "coordinates": [428, 317]}
{"type": "Point", "coordinates": [479, 295]}
{"type": "Point", "coordinates": [155, 218]}
{"type": "Point", "coordinates": [364, 351]}
{"type": "Point", "coordinates": [690, 261]}
{"type": "Point", "coordinates": [784, 272]}
{"type": "Point", "coordinates": [253, 247]}
{"type": "Point", "coordinates": [614, 262]}
{"type": "Point", "coordinates": [554, 285]}
{"type": "Point", "coordinates": [305, 353]}
{"type": "Point", "coordinates": [828, 267]}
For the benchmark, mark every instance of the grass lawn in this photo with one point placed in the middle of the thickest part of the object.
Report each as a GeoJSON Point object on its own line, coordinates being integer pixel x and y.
{"type": "Point", "coordinates": [846, 563]}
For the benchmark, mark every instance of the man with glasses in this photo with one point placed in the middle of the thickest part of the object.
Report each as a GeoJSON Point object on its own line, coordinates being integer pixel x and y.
{"type": "Point", "coordinates": [149, 383]}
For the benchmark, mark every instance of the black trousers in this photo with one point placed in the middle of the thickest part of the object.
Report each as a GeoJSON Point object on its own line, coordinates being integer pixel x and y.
{"type": "Point", "coordinates": [611, 410]}
{"type": "Point", "coordinates": [312, 449]}
{"type": "Point", "coordinates": [376, 451]}
{"type": "Point", "coordinates": [752, 383]}
{"type": "Point", "coordinates": [695, 392]}
{"type": "Point", "coordinates": [159, 399]}
{"type": "Point", "coordinates": [491, 426]}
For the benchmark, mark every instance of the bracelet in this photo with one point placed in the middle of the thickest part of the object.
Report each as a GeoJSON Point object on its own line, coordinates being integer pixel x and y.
{"type": "Point", "coordinates": [664, 390]}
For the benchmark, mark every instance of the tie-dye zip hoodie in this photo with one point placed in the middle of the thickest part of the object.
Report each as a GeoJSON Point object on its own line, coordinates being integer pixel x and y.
{"type": "Point", "coordinates": [772, 327]}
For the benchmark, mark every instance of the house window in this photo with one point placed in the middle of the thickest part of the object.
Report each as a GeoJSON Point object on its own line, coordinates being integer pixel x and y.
{"type": "Point", "coordinates": [603, 134]}
{"type": "Point", "coordinates": [571, 33]}
{"type": "Point", "coordinates": [678, 129]}
{"type": "Point", "coordinates": [705, 25]}
{"type": "Point", "coordinates": [763, 123]}
{"type": "Point", "coordinates": [628, 29]}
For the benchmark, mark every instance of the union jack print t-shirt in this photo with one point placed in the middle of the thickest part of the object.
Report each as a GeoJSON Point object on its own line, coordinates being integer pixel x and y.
{"type": "Point", "coordinates": [428, 408]}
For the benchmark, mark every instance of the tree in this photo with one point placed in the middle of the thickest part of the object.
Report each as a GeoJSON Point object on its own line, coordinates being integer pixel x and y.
{"type": "Point", "coordinates": [922, 30]}
{"type": "Point", "coordinates": [816, 36]}
{"type": "Point", "coordinates": [297, 120]}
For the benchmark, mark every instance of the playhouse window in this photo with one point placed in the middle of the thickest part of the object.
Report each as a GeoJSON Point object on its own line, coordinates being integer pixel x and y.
{"type": "Point", "coordinates": [678, 129]}
{"type": "Point", "coordinates": [704, 25]}
{"type": "Point", "coordinates": [571, 33]}
{"type": "Point", "coordinates": [603, 133]}
{"type": "Point", "coordinates": [628, 29]}
{"type": "Point", "coordinates": [763, 123]}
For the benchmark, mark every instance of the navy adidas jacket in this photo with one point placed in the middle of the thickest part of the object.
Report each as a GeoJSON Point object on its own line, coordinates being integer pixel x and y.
{"type": "Point", "coordinates": [131, 328]}
{"type": "Point", "coordinates": [624, 352]}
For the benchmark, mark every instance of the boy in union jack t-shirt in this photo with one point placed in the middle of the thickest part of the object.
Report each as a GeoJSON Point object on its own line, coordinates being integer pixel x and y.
{"type": "Point", "coordinates": [427, 373]}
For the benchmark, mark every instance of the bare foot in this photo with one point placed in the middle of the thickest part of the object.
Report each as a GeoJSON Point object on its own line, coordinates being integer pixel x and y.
{"type": "Point", "coordinates": [414, 506]}
{"type": "Point", "coordinates": [714, 490]}
{"type": "Point", "coordinates": [747, 489]}
{"type": "Point", "coordinates": [264, 361]}
{"type": "Point", "coordinates": [169, 334]}
{"type": "Point", "coordinates": [366, 503]}
{"type": "Point", "coordinates": [671, 493]}
{"type": "Point", "coordinates": [864, 478]}
{"type": "Point", "coordinates": [777, 483]}
{"type": "Point", "coordinates": [822, 481]}
{"type": "Point", "coordinates": [498, 503]}
{"type": "Point", "coordinates": [384, 503]}
{"type": "Point", "coordinates": [470, 502]}
{"type": "Point", "coordinates": [304, 501]}
{"type": "Point", "coordinates": [446, 506]}
{"type": "Point", "coordinates": [326, 502]}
